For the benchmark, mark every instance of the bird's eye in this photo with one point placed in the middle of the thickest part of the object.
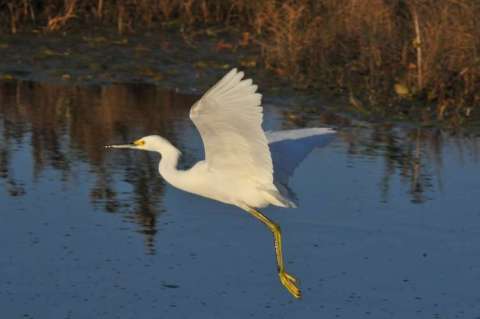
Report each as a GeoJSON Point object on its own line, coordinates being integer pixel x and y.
{"type": "Point", "coordinates": [139, 142]}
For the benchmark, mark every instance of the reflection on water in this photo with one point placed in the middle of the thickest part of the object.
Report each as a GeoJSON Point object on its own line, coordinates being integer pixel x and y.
{"type": "Point", "coordinates": [61, 128]}
{"type": "Point", "coordinates": [413, 154]}
{"type": "Point", "coordinates": [64, 127]}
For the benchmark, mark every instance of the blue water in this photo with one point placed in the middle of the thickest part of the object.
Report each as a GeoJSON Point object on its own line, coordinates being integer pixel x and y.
{"type": "Point", "coordinates": [388, 224]}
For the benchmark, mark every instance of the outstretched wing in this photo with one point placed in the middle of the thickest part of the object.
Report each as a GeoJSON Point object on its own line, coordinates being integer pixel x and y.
{"type": "Point", "coordinates": [289, 148]}
{"type": "Point", "coordinates": [229, 118]}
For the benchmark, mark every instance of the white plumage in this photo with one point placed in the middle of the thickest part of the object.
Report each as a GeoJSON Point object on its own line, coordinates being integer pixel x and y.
{"type": "Point", "coordinates": [229, 118]}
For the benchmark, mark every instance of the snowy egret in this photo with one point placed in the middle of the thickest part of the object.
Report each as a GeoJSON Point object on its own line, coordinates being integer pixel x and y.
{"type": "Point", "coordinates": [238, 167]}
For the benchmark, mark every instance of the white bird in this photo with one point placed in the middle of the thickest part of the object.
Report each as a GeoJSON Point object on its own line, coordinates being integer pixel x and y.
{"type": "Point", "coordinates": [238, 167]}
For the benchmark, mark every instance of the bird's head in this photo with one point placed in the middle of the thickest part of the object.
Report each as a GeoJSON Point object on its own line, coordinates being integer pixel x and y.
{"type": "Point", "coordinates": [153, 143]}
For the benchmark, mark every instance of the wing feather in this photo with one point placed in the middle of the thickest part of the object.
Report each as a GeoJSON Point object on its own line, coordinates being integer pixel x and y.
{"type": "Point", "coordinates": [290, 147]}
{"type": "Point", "coordinates": [229, 118]}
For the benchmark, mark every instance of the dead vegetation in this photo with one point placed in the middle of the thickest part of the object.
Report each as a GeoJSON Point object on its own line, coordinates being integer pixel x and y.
{"type": "Point", "coordinates": [388, 54]}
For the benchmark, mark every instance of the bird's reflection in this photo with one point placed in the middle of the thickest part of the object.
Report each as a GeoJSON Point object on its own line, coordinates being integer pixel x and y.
{"type": "Point", "coordinates": [415, 154]}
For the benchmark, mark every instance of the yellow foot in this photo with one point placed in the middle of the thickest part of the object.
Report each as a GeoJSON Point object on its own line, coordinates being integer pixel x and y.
{"type": "Point", "coordinates": [290, 283]}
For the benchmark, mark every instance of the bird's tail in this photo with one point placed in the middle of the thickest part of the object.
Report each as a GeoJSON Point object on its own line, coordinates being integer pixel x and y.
{"type": "Point", "coordinates": [275, 198]}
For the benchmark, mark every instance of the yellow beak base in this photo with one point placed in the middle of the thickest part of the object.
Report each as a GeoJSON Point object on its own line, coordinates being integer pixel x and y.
{"type": "Point", "coordinates": [139, 142]}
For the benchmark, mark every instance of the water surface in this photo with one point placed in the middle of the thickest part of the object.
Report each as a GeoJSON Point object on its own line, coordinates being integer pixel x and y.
{"type": "Point", "coordinates": [388, 224]}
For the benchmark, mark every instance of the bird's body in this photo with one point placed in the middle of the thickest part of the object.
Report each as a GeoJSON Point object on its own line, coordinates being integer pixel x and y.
{"type": "Point", "coordinates": [238, 167]}
{"type": "Point", "coordinates": [212, 183]}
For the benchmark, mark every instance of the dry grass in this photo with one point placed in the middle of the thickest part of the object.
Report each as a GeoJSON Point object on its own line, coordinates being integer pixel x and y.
{"type": "Point", "coordinates": [421, 50]}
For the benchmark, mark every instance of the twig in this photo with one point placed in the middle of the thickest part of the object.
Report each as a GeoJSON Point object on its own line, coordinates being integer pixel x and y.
{"type": "Point", "coordinates": [418, 46]}
{"type": "Point", "coordinates": [57, 22]}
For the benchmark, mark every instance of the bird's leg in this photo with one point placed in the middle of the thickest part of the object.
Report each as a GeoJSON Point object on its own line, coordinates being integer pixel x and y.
{"type": "Point", "coordinates": [286, 279]}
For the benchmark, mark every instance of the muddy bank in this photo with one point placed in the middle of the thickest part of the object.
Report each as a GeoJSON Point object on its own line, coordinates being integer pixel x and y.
{"type": "Point", "coordinates": [105, 57]}
{"type": "Point", "coordinates": [176, 61]}
{"type": "Point", "coordinates": [169, 60]}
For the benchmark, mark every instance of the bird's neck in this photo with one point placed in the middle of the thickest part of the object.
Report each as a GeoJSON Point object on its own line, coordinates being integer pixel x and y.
{"type": "Point", "coordinates": [168, 168]}
{"type": "Point", "coordinates": [168, 163]}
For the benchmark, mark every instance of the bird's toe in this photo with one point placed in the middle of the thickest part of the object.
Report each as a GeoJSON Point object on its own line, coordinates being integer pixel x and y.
{"type": "Point", "coordinates": [289, 282]}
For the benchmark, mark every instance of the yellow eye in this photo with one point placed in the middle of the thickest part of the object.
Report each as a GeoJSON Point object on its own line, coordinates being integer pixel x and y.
{"type": "Point", "coordinates": [139, 142]}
